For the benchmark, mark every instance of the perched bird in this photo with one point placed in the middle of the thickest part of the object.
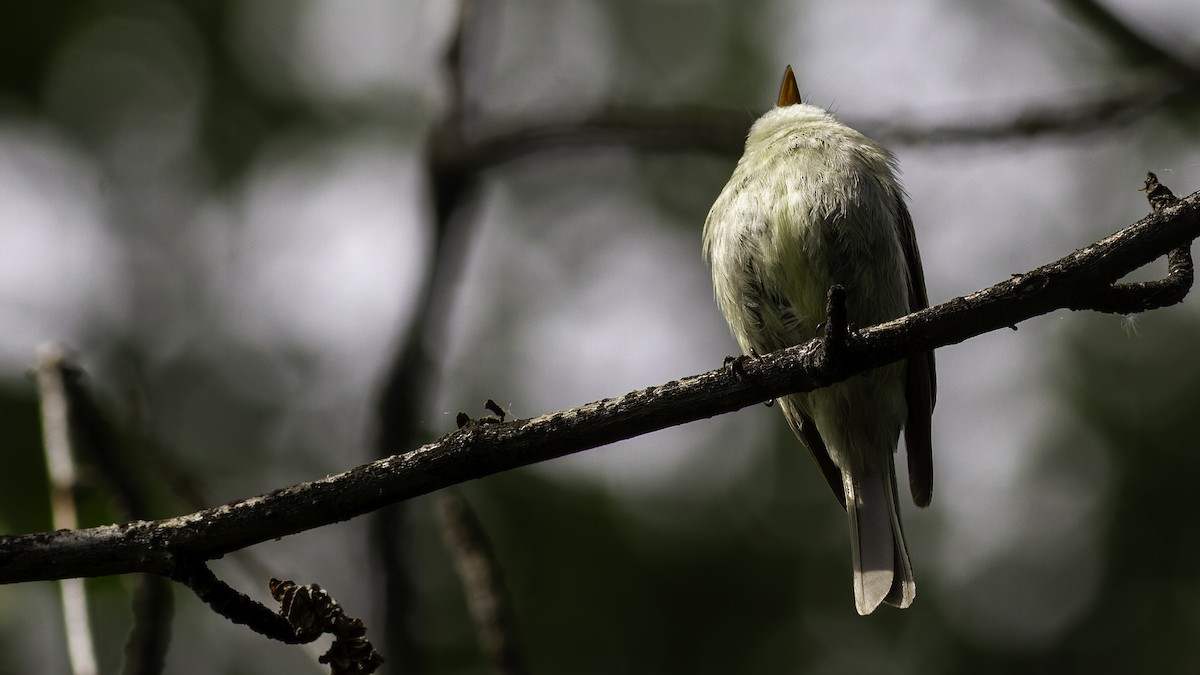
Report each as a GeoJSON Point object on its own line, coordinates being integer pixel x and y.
{"type": "Point", "coordinates": [813, 203]}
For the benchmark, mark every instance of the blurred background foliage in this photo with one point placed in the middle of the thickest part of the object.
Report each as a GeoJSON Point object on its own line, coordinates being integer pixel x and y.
{"type": "Point", "coordinates": [224, 208]}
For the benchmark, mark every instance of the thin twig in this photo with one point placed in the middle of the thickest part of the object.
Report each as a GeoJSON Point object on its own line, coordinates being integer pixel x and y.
{"type": "Point", "coordinates": [95, 446]}
{"type": "Point", "coordinates": [60, 467]}
{"type": "Point", "coordinates": [479, 450]}
{"type": "Point", "coordinates": [483, 583]}
{"type": "Point", "coordinates": [233, 604]}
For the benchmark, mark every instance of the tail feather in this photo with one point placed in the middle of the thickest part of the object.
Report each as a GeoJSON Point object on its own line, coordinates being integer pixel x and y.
{"type": "Point", "coordinates": [904, 587]}
{"type": "Point", "coordinates": [882, 572]}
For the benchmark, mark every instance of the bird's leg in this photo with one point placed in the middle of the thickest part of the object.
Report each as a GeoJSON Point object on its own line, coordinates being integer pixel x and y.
{"type": "Point", "coordinates": [837, 329]}
{"type": "Point", "coordinates": [737, 366]}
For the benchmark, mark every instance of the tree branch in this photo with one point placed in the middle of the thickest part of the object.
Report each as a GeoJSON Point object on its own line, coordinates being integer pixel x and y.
{"type": "Point", "coordinates": [699, 128]}
{"type": "Point", "coordinates": [1131, 43]}
{"type": "Point", "coordinates": [235, 605]}
{"type": "Point", "coordinates": [411, 375]}
{"type": "Point", "coordinates": [1059, 119]}
{"type": "Point", "coordinates": [94, 447]}
{"type": "Point", "coordinates": [483, 583]}
{"type": "Point", "coordinates": [1146, 295]}
{"type": "Point", "coordinates": [53, 377]}
{"type": "Point", "coordinates": [482, 449]}
{"type": "Point", "coordinates": [723, 132]}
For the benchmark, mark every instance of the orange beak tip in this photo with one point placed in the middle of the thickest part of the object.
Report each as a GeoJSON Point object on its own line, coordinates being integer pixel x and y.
{"type": "Point", "coordinates": [789, 91]}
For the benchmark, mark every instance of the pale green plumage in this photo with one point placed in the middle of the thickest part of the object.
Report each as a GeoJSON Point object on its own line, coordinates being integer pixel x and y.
{"type": "Point", "coordinates": [813, 203]}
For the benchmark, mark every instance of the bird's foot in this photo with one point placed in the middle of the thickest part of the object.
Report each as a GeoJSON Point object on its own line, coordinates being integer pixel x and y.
{"type": "Point", "coordinates": [737, 364]}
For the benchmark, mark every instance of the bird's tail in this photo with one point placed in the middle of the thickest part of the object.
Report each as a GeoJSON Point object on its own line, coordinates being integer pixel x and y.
{"type": "Point", "coordinates": [882, 572]}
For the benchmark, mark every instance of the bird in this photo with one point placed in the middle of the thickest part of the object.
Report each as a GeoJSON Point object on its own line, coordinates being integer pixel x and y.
{"type": "Point", "coordinates": [813, 203]}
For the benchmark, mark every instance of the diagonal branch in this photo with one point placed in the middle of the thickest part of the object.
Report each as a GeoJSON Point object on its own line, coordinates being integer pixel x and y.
{"type": "Point", "coordinates": [53, 377]}
{"type": "Point", "coordinates": [235, 605]}
{"type": "Point", "coordinates": [482, 578]}
{"type": "Point", "coordinates": [482, 449]}
{"type": "Point", "coordinates": [94, 447]}
{"type": "Point", "coordinates": [1132, 43]}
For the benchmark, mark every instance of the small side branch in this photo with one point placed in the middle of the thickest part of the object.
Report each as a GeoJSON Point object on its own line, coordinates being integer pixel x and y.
{"type": "Point", "coordinates": [1132, 298]}
{"type": "Point", "coordinates": [237, 606]}
{"type": "Point", "coordinates": [306, 613]}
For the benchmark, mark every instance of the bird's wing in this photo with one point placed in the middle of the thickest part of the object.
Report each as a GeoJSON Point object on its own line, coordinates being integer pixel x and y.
{"type": "Point", "coordinates": [806, 430]}
{"type": "Point", "coordinates": [921, 386]}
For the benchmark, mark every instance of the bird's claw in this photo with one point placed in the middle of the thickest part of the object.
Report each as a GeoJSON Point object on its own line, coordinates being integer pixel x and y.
{"type": "Point", "coordinates": [737, 364]}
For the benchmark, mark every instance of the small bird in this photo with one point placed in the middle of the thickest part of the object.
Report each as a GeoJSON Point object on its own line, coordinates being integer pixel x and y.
{"type": "Point", "coordinates": [813, 203]}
